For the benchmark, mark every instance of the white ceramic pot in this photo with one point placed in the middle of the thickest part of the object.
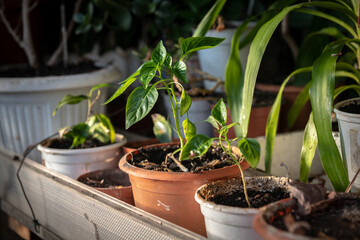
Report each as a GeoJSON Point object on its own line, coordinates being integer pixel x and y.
{"type": "Point", "coordinates": [75, 162]}
{"type": "Point", "coordinates": [213, 61]}
{"type": "Point", "coordinates": [200, 110]}
{"type": "Point", "coordinates": [349, 127]}
{"type": "Point", "coordinates": [226, 222]}
{"type": "Point", "coordinates": [26, 106]}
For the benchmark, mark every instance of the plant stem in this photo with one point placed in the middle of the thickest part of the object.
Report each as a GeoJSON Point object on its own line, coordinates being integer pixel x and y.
{"type": "Point", "coordinates": [239, 166]}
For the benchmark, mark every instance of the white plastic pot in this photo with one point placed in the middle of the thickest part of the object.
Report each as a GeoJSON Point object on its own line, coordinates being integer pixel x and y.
{"type": "Point", "coordinates": [349, 127]}
{"type": "Point", "coordinates": [213, 61]}
{"type": "Point", "coordinates": [26, 106]}
{"type": "Point", "coordinates": [75, 162]}
{"type": "Point", "coordinates": [226, 222]}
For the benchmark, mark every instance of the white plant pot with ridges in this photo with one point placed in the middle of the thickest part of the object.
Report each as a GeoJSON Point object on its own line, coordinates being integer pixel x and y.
{"type": "Point", "coordinates": [349, 127]}
{"type": "Point", "coordinates": [227, 222]}
{"type": "Point", "coordinates": [26, 106]}
{"type": "Point", "coordinates": [75, 162]}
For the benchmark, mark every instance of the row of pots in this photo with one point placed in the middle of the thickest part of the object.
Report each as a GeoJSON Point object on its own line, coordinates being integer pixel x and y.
{"type": "Point", "coordinates": [151, 189]}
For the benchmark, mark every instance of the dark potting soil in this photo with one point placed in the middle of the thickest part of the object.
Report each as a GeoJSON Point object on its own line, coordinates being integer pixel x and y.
{"type": "Point", "coordinates": [59, 70]}
{"type": "Point", "coordinates": [105, 179]}
{"type": "Point", "coordinates": [339, 220]}
{"type": "Point", "coordinates": [155, 159]}
{"type": "Point", "coordinates": [352, 107]}
{"type": "Point", "coordinates": [257, 198]}
{"type": "Point", "coordinates": [260, 192]}
{"type": "Point", "coordinates": [66, 144]}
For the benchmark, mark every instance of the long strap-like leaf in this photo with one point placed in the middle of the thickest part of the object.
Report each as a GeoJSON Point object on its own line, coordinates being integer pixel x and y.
{"type": "Point", "coordinates": [273, 119]}
{"type": "Point", "coordinates": [308, 149]}
{"type": "Point", "coordinates": [321, 96]}
{"type": "Point", "coordinates": [256, 53]}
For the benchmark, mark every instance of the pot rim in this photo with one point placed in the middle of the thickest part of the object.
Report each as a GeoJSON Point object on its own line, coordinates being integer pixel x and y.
{"type": "Point", "coordinates": [120, 140]}
{"type": "Point", "coordinates": [107, 74]}
{"type": "Point", "coordinates": [225, 208]}
{"type": "Point", "coordinates": [349, 117]}
{"type": "Point", "coordinates": [173, 176]}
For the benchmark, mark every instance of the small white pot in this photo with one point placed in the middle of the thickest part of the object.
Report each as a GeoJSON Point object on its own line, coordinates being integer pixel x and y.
{"type": "Point", "coordinates": [75, 162]}
{"type": "Point", "coordinates": [349, 127]}
{"type": "Point", "coordinates": [226, 222]}
{"type": "Point", "coordinates": [27, 103]}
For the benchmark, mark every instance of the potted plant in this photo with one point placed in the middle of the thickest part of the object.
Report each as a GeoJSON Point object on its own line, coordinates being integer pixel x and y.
{"type": "Point", "coordinates": [26, 97]}
{"type": "Point", "coordinates": [311, 213]}
{"type": "Point", "coordinates": [320, 90]}
{"type": "Point", "coordinates": [170, 194]}
{"type": "Point", "coordinates": [85, 147]}
{"type": "Point", "coordinates": [111, 181]}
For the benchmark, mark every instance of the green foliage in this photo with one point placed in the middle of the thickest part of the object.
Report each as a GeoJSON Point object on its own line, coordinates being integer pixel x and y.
{"type": "Point", "coordinates": [324, 70]}
{"type": "Point", "coordinates": [97, 126]}
{"type": "Point", "coordinates": [162, 128]}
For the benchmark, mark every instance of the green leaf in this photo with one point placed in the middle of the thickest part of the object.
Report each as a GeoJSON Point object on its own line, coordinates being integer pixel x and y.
{"type": "Point", "coordinates": [79, 134]}
{"type": "Point", "coordinates": [139, 104]}
{"type": "Point", "coordinates": [196, 146]}
{"type": "Point", "coordinates": [168, 61]}
{"type": "Point", "coordinates": [213, 122]}
{"type": "Point", "coordinates": [162, 129]}
{"type": "Point", "coordinates": [321, 97]}
{"type": "Point", "coordinates": [298, 105]}
{"type": "Point", "coordinates": [192, 44]}
{"type": "Point", "coordinates": [70, 99]}
{"type": "Point", "coordinates": [189, 129]}
{"type": "Point", "coordinates": [147, 73]}
{"type": "Point", "coordinates": [256, 53]}
{"type": "Point", "coordinates": [159, 54]}
{"type": "Point", "coordinates": [179, 69]}
{"type": "Point", "coordinates": [219, 112]}
{"type": "Point", "coordinates": [250, 148]}
{"type": "Point", "coordinates": [108, 125]}
{"type": "Point", "coordinates": [185, 103]}
{"type": "Point", "coordinates": [310, 142]}
{"type": "Point", "coordinates": [98, 130]}
{"type": "Point", "coordinates": [273, 119]}
{"type": "Point", "coordinates": [341, 89]}
{"type": "Point", "coordinates": [209, 19]}
{"type": "Point", "coordinates": [125, 84]}
{"type": "Point", "coordinates": [234, 77]}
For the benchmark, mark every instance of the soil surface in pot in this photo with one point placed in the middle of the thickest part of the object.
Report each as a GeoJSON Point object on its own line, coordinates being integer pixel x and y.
{"type": "Point", "coordinates": [106, 179]}
{"type": "Point", "coordinates": [231, 193]}
{"type": "Point", "coordinates": [155, 159]}
{"type": "Point", "coordinates": [339, 220]}
{"type": "Point", "coordinates": [59, 70]}
{"type": "Point", "coordinates": [351, 107]}
{"type": "Point", "coordinates": [65, 144]}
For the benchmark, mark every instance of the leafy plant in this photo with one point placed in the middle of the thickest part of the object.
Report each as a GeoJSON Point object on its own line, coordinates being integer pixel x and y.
{"type": "Point", "coordinates": [97, 127]}
{"type": "Point", "coordinates": [325, 69]}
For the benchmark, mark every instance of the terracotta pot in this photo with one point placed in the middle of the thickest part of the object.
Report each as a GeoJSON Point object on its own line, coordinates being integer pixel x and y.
{"type": "Point", "coordinates": [257, 122]}
{"type": "Point", "coordinates": [133, 145]}
{"type": "Point", "coordinates": [290, 94]}
{"type": "Point", "coordinates": [170, 195]}
{"type": "Point", "coordinates": [280, 208]}
{"type": "Point", "coordinates": [228, 222]}
{"type": "Point", "coordinates": [122, 186]}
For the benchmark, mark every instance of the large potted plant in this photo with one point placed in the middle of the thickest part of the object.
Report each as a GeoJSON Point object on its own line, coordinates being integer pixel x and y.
{"type": "Point", "coordinates": [321, 88]}
{"type": "Point", "coordinates": [86, 146]}
{"type": "Point", "coordinates": [169, 192]}
{"type": "Point", "coordinates": [28, 94]}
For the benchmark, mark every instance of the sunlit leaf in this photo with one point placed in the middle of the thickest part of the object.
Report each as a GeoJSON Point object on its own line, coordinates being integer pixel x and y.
{"type": "Point", "coordinates": [196, 146]}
